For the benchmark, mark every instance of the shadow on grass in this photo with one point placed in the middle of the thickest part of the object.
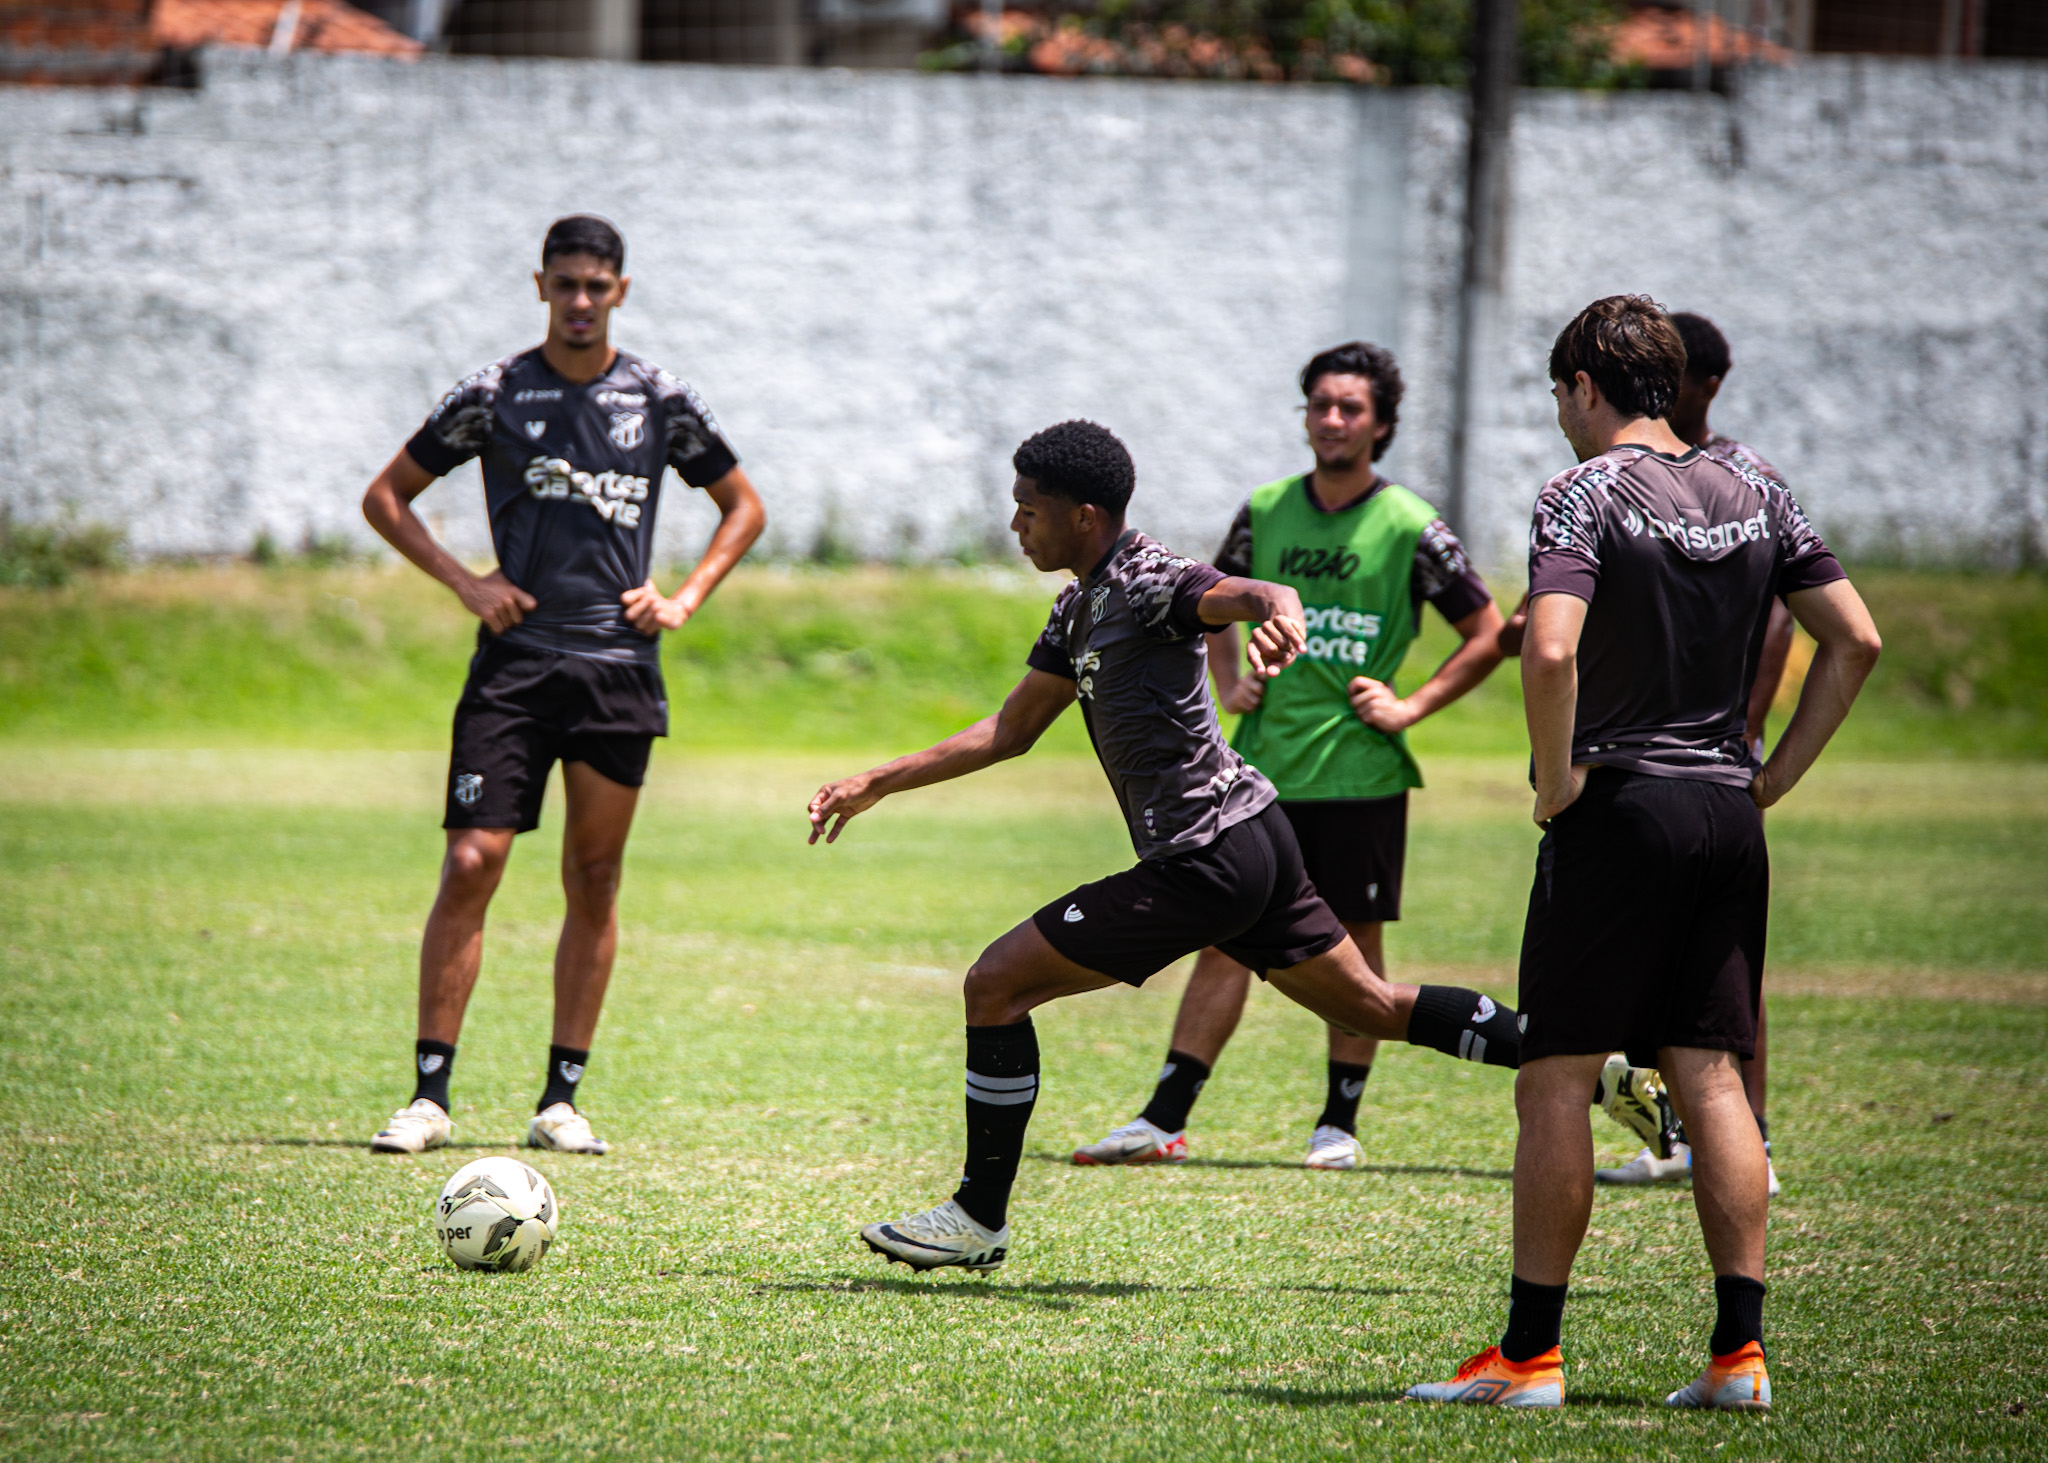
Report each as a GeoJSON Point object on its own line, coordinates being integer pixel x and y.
{"type": "Point", "coordinates": [1362, 1396]}
{"type": "Point", "coordinates": [362, 1143]}
{"type": "Point", "coordinates": [1048, 1295]}
{"type": "Point", "coordinates": [1391, 1169]}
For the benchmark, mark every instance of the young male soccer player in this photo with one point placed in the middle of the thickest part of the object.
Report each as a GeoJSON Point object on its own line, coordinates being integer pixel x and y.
{"type": "Point", "coordinates": [574, 436]}
{"type": "Point", "coordinates": [1707, 361]}
{"type": "Point", "coordinates": [1364, 555]}
{"type": "Point", "coordinates": [1652, 567]}
{"type": "Point", "coordinates": [1217, 862]}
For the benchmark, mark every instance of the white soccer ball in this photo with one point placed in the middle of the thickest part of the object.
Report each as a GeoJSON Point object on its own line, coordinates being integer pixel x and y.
{"type": "Point", "coordinates": [495, 1214]}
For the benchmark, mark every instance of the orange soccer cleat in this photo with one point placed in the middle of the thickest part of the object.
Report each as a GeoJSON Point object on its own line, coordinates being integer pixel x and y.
{"type": "Point", "coordinates": [1491, 1378]}
{"type": "Point", "coordinates": [1737, 1382]}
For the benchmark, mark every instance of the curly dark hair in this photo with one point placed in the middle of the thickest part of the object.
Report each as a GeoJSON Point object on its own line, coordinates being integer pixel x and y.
{"type": "Point", "coordinates": [1079, 461]}
{"type": "Point", "coordinates": [584, 233]}
{"type": "Point", "coordinates": [1376, 364]}
{"type": "Point", "coordinates": [1706, 348]}
{"type": "Point", "coordinates": [1629, 348]}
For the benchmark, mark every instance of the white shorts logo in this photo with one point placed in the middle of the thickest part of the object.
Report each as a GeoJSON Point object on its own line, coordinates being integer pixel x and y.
{"type": "Point", "coordinates": [1073, 916]}
{"type": "Point", "coordinates": [627, 428]}
{"type": "Point", "coordinates": [469, 786]}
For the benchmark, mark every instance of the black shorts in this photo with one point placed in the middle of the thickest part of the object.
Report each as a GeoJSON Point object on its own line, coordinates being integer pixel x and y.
{"type": "Point", "coordinates": [1245, 893]}
{"type": "Point", "coordinates": [1646, 922]}
{"type": "Point", "coordinates": [525, 709]}
{"type": "Point", "coordinates": [1354, 850]}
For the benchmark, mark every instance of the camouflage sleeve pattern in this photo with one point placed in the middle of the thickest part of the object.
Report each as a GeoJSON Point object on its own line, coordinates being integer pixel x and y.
{"type": "Point", "coordinates": [1804, 559]}
{"type": "Point", "coordinates": [1443, 574]}
{"type": "Point", "coordinates": [1234, 558]}
{"type": "Point", "coordinates": [1163, 589]}
{"type": "Point", "coordinates": [697, 450]}
{"type": "Point", "coordinates": [1564, 535]}
{"type": "Point", "coordinates": [1049, 652]}
{"type": "Point", "coordinates": [1740, 455]}
{"type": "Point", "coordinates": [460, 427]}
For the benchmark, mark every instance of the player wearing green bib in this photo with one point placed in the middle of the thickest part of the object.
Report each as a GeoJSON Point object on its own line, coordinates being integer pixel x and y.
{"type": "Point", "coordinates": [1364, 554]}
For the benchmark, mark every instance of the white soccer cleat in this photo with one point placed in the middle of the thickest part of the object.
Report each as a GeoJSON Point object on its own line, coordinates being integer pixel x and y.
{"type": "Point", "coordinates": [1635, 1098]}
{"type": "Point", "coordinates": [1647, 1168]}
{"type": "Point", "coordinates": [1135, 1142]}
{"type": "Point", "coordinates": [1771, 1174]}
{"type": "Point", "coordinates": [939, 1237]}
{"type": "Point", "coordinates": [1738, 1382]}
{"type": "Point", "coordinates": [414, 1129]}
{"type": "Point", "coordinates": [1331, 1147]}
{"type": "Point", "coordinates": [560, 1127]}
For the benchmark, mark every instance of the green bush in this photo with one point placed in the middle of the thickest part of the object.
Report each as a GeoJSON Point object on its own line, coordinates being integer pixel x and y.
{"type": "Point", "coordinates": [45, 555]}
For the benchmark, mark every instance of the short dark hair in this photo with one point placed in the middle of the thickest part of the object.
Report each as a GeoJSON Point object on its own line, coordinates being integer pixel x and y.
{"type": "Point", "coordinates": [584, 233]}
{"type": "Point", "coordinates": [1630, 349]}
{"type": "Point", "coordinates": [1079, 461]}
{"type": "Point", "coordinates": [1706, 348]}
{"type": "Point", "coordinates": [1376, 364]}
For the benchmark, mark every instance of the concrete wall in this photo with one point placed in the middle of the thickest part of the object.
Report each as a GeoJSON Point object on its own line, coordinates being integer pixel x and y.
{"type": "Point", "coordinates": [232, 305]}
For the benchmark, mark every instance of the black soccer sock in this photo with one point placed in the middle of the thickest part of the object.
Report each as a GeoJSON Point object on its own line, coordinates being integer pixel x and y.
{"type": "Point", "coordinates": [1535, 1319]}
{"type": "Point", "coordinates": [1181, 1081]}
{"type": "Point", "coordinates": [1347, 1085]}
{"type": "Point", "coordinates": [1462, 1023]}
{"type": "Point", "coordinates": [1763, 1131]}
{"type": "Point", "coordinates": [431, 1063]}
{"type": "Point", "coordinates": [565, 1070]}
{"type": "Point", "coordinates": [1739, 1318]}
{"type": "Point", "coordinates": [1002, 1088]}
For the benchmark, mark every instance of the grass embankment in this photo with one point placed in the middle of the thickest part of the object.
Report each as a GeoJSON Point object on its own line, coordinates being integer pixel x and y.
{"type": "Point", "coordinates": [206, 1003]}
{"type": "Point", "coordinates": [870, 658]}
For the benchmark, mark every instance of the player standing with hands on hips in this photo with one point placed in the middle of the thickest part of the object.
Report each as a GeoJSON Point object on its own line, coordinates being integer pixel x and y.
{"type": "Point", "coordinates": [574, 437]}
{"type": "Point", "coordinates": [1652, 570]}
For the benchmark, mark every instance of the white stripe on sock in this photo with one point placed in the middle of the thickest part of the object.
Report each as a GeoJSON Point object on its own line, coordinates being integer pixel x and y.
{"type": "Point", "coordinates": [1003, 1084]}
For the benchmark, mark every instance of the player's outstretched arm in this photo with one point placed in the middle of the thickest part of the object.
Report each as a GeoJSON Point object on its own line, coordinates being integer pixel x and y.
{"type": "Point", "coordinates": [387, 504]}
{"type": "Point", "coordinates": [1550, 698]}
{"type": "Point", "coordinates": [1279, 624]}
{"type": "Point", "coordinates": [741, 519]}
{"type": "Point", "coordinates": [1032, 706]}
{"type": "Point", "coordinates": [1848, 646]}
{"type": "Point", "coordinates": [1472, 662]}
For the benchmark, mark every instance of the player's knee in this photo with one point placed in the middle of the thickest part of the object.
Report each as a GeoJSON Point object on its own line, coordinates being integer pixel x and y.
{"type": "Point", "coordinates": [472, 868]}
{"type": "Point", "coordinates": [989, 996]}
{"type": "Point", "coordinates": [592, 882]}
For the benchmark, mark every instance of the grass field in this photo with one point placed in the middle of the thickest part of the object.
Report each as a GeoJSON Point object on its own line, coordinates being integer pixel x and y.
{"type": "Point", "coordinates": [218, 804]}
{"type": "Point", "coordinates": [206, 1008]}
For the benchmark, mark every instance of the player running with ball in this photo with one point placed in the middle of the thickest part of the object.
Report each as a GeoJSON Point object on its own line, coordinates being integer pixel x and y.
{"type": "Point", "coordinates": [1652, 569]}
{"type": "Point", "coordinates": [1217, 862]}
{"type": "Point", "coordinates": [574, 437]}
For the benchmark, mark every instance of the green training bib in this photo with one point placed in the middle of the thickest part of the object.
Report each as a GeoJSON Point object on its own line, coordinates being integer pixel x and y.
{"type": "Point", "coordinates": [1352, 571]}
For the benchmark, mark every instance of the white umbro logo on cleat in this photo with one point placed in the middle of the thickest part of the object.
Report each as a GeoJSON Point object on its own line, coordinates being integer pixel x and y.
{"type": "Point", "coordinates": [1073, 915]}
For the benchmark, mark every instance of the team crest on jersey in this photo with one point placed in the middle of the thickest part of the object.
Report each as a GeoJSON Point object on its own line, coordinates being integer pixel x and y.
{"type": "Point", "coordinates": [628, 427]}
{"type": "Point", "coordinates": [1098, 601]}
{"type": "Point", "coordinates": [469, 786]}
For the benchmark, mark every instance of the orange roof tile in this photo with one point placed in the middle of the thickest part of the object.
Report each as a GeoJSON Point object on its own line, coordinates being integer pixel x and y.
{"type": "Point", "coordinates": [1665, 39]}
{"type": "Point", "coordinates": [322, 25]}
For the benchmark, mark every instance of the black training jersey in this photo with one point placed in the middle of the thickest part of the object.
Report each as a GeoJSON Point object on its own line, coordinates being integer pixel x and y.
{"type": "Point", "coordinates": [1678, 559]}
{"type": "Point", "coordinates": [1130, 636]}
{"type": "Point", "coordinates": [572, 478]}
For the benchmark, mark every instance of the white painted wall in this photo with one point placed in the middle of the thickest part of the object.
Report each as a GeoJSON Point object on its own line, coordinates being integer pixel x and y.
{"type": "Point", "coordinates": [231, 306]}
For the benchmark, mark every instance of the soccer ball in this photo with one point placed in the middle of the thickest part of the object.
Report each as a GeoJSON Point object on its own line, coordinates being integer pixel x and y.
{"type": "Point", "coordinates": [495, 1214]}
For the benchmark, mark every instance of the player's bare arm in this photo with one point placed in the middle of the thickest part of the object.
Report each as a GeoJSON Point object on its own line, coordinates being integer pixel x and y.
{"type": "Point", "coordinates": [1847, 648]}
{"type": "Point", "coordinates": [1033, 705]}
{"type": "Point", "coordinates": [1279, 624]}
{"type": "Point", "coordinates": [1550, 697]}
{"type": "Point", "coordinates": [491, 597]}
{"type": "Point", "coordinates": [741, 519]}
{"type": "Point", "coordinates": [1473, 661]}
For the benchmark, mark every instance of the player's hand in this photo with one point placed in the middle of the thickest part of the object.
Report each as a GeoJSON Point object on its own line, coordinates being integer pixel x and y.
{"type": "Point", "coordinates": [1761, 790]}
{"type": "Point", "coordinates": [1379, 708]}
{"type": "Point", "coordinates": [650, 613]}
{"type": "Point", "coordinates": [841, 800]}
{"type": "Point", "coordinates": [1274, 644]}
{"type": "Point", "coordinates": [1510, 637]}
{"type": "Point", "coordinates": [1245, 694]}
{"type": "Point", "coordinates": [495, 600]}
{"type": "Point", "coordinates": [1550, 803]}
